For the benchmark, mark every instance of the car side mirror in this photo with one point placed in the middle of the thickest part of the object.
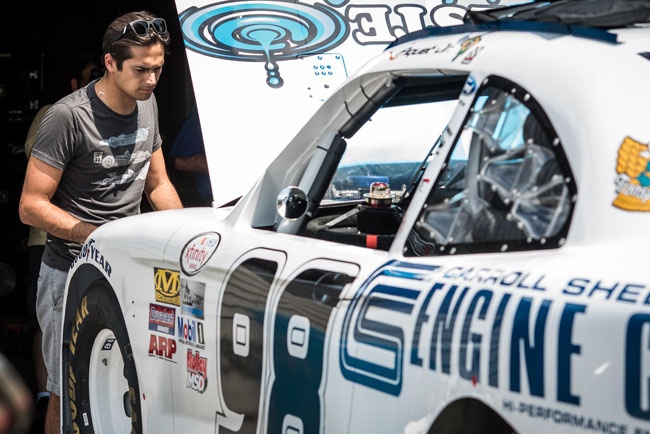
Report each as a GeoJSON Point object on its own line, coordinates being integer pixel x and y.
{"type": "Point", "coordinates": [291, 203]}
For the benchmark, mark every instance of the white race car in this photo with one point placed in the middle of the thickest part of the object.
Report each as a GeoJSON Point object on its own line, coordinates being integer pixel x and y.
{"type": "Point", "coordinates": [453, 243]}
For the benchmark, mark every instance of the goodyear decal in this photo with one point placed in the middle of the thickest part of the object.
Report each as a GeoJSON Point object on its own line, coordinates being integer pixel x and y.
{"type": "Point", "coordinates": [505, 330]}
{"type": "Point", "coordinates": [167, 285]}
{"type": "Point", "coordinates": [90, 253]}
{"type": "Point", "coordinates": [633, 179]}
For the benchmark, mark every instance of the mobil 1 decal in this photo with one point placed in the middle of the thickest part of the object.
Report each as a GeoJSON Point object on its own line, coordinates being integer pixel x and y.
{"type": "Point", "coordinates": [568, 351]}
{"type": "Point", "coordinates": [278, 392]}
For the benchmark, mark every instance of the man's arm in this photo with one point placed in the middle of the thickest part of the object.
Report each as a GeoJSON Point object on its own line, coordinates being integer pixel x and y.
{"type": "Point", "coordinates": [196, 163]}
{"type": "Point", "coordinates": [157, 187]}
{"type": "Point", "coordinates": [35, 209]}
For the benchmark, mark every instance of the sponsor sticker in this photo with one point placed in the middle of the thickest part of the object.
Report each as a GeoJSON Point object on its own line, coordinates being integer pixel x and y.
{"type": "Point", "coordinates": [168, 286]}
{"type": "Point", "coordinates": [162, 347]}
{"type": "Point", "coordinates": [190, 332]}
{"type": "Point", "coordinates": [162, 319]}
{"type": "Point", "coordinates": [108, 344]}
{"type": "Point", "coordinates": [192, 298]}
{"type": "Point", "coordinates": [197, 371]}
{"type": "Point", "coordinates": [198, 251]}
{"type": "Point", "coordinates": [633, 179]}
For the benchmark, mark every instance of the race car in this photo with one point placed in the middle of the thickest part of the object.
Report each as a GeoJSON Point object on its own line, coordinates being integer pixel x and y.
{"type": "Point", "coordinates": [453, 243]}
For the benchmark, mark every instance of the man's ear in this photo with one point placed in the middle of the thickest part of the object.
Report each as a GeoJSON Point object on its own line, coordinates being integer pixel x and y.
{"type": "Point", "coordinates": [110, 63]}
{"type": "Point", "coordinates": [74, 84]}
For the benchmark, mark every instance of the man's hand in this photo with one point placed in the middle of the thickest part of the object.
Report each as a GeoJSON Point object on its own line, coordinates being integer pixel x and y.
{"type": "Point", "coordinates": [35, 209]}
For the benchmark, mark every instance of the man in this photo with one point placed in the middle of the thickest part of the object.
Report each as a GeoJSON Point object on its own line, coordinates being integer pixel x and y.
{"type": "Point", "coordinates": [188, 154]}
{"type": "Point", "coordinates": [96, 152]}
{"type": "Point", "coordinates": [87, 68]}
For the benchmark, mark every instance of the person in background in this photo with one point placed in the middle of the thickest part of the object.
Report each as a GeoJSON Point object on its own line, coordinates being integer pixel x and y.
{"type": "Point", "coordinates": [188, 154]}
{"type": "Point", "coordinates": [96, 152]}
{"type": "Point", "coordinates": [87, 68]}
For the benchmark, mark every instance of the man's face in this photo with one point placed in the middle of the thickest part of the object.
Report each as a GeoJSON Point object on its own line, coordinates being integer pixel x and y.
{"type": "Point", "coordinates": [140, 73]}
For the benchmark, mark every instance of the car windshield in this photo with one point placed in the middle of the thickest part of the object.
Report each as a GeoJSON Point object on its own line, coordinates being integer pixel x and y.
{"type": "Point", "coordinates": [370, 154]}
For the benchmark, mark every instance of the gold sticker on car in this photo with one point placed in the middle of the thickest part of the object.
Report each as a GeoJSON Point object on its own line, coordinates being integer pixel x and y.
{"type": "Point", "coordinates": [167, 284]}
{"type": "Point", "coordinates": [633, 179]}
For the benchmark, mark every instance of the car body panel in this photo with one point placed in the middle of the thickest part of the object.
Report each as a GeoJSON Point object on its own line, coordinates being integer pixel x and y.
{"type": "Point", "coordinates": [545, 338]}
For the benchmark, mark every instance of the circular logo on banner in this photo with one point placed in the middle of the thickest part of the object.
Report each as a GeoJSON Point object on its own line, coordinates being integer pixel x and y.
{"type": "Point", "coordinates": [198, 251]}
{"type": "Point", "coordinates": [262, 31]}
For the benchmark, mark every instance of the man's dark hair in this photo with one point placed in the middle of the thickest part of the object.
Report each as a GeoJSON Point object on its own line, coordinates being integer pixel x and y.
{"type": "Point", "coordinates": [121, 48]}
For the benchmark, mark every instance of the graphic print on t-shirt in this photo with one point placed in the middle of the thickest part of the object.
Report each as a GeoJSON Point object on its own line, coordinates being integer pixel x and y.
{"type": "Point", "coordinates": [119, 155]}
{"type": "Point", "coordinates": [110, 160]}
{"type": "Point", "coordinates": [125, 178]}
{"type": "Point", "coordinates": [126, 139]}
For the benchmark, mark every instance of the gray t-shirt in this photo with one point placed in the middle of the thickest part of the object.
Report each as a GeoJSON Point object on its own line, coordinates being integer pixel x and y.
{"type": "Point", "coordinates": [104, 157]}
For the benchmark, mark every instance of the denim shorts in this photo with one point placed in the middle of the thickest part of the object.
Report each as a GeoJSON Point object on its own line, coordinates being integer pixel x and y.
{"type": "Point", "coordinates": [49, 306]}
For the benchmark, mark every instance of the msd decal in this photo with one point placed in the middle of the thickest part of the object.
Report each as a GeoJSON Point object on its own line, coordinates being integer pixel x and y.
{"type": "Point", "coordinates": [198, 251]}
{"type": "Point", "coordinates": [271, 31]}
{"type": "Point", "coordinates": [197, 371]}
{"type": "Point", "coordinates": [162, 347]}
{"type": "Point", "coordinates": [190, 332]}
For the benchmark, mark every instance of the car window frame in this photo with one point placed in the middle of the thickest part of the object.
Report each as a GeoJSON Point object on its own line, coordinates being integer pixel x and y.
{"type": "Point", "coordinates": [529, 101]}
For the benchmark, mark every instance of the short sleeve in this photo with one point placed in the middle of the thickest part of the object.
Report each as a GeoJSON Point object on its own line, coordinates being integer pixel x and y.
{"type": "Point", "coordinates": [56, 137]}
{"type": "Point", "coordinates": [157, 140]}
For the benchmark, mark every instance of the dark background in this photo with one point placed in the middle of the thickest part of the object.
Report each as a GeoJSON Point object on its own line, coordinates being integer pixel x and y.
{"type": "Point", "coordinates": [39, 45]}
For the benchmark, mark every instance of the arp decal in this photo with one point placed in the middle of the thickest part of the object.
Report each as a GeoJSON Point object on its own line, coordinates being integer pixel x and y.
{"type": "Point", "coordinates": [197, 371]}
{"type": "Point", "coordinates": [633, 180]}
{"type": "Point", "coordinates": [88, 252]}
{"type": "Point", "coordinates": [198, 251]}
{"type": "Point", "coordinates": [501, 330]}
{"type": "Point", "coordinates": [162, 319]}
{"type": "Point", "coordinates": [162, 347]}
{"type": "Point", "coordinates": [190, 332]}
{"type": "Point", "coordinates": [272, 31]}
{"type": "Point", "coordinates": [192, 298]}
{"type": "Point", "coordinates": [167, 284]}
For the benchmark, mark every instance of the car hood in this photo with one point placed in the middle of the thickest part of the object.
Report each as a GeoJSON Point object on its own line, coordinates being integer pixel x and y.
{"type": "Point", "coordinates": [261, 68]}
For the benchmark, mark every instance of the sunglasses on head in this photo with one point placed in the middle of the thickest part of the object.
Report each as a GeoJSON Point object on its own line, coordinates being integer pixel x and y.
{"type": "Point", "coordinates": [142, 28]}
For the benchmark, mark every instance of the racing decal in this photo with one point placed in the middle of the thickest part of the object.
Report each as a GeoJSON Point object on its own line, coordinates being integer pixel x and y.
{"type": "Point", "coordinates": [633, 179]}
{"type": "Point", "coordinates": [272, 31]}
{"type": "Point", "coordinates": [192, 298]}
{"type": "Point", "coordinates": [505, 330]}
{"type": "Point", "coordinates": [80, 315]}
{"type": "Point", "coordinates": [197, 371]}
{"type": "Point", "coordinates": [162, 319]}
{"type": "Point", "coordinates": [251, 385]}
{"type": "Point", "coordinates": [90, 252]}
{"type": "Point", "coordinates": [198, 251]}
{"type": "Point", "coordinates": [108, 344]}
{"type": "Point", "coordinates": [167, 284]}
{"type": "Point", "coordinates": [190, 332]}
{"type": "Point", "coordinates": [162, 347]}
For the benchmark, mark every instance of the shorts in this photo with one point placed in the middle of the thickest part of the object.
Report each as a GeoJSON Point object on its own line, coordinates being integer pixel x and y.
{"type": "Point", "coordinates": [49, 307]}
{"type": "Point", "coordinates": [34, 255]}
